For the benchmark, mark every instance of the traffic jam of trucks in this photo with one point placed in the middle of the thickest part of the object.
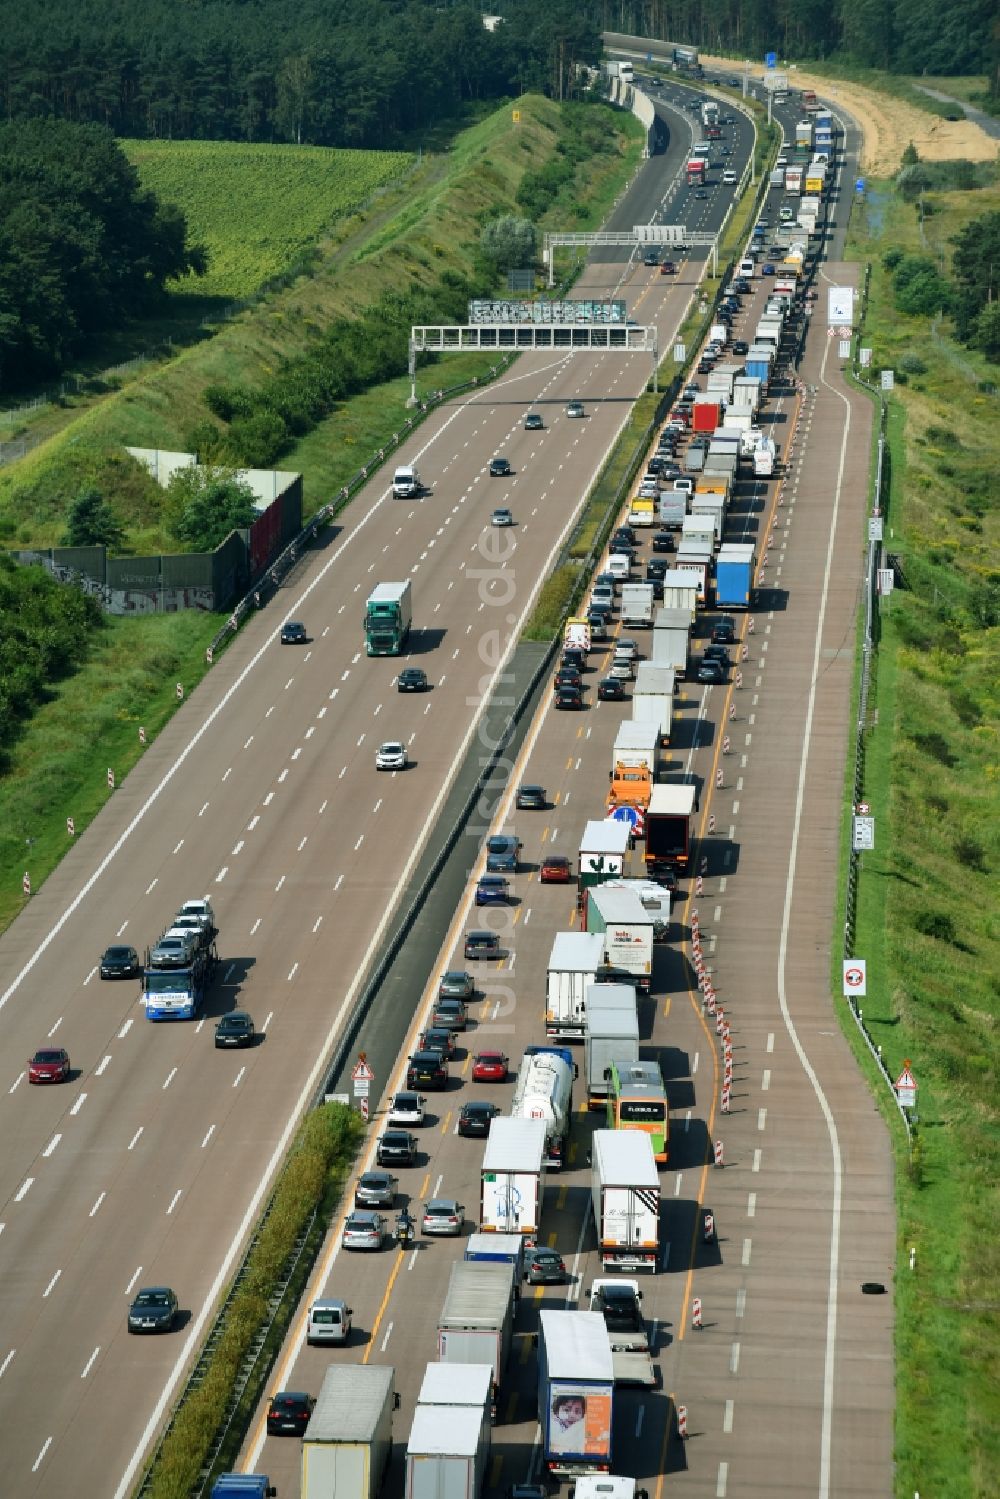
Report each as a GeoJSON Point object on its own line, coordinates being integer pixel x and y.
{"type": "Point", "coordinates": [714, 453]}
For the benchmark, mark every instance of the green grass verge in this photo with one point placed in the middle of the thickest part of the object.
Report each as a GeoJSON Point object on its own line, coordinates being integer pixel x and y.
{"type": "Point", "coordinates": [256, 208]}
{"type": "Point", "coordinates": [58, 767]}
{"type": "Point", "coordinates": [311, 1181]}
{"type": "Point", "coordinates": [927, 904]}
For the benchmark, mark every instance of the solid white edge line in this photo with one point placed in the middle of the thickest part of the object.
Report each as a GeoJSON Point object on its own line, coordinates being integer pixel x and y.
{"type": "Point", "coordinates": [826, 1432]}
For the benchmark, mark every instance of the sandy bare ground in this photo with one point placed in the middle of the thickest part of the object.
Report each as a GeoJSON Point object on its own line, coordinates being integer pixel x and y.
{"type": "Point", "coordinates": [889, 124]}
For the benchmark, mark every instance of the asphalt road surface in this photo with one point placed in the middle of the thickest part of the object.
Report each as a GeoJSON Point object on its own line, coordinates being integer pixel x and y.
{"type": "Point", "coordinates": [150, 1165]}
{"type": "Point", "coordinates": [788, 1383]}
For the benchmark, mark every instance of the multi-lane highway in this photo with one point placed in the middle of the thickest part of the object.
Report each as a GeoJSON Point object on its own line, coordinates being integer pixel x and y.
{"type": "Point", "coordinates": [150, 1165]}
{"type": "Point", "coordinates": [788, 1382]}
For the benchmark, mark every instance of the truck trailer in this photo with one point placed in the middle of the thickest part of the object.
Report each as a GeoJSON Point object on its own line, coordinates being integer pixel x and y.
{"type": "Point", "coordinates": [576, 1383]}
{"type": "Point", "coordinates": [544, 1090]}
{"type": "Point", "coordinates": [669, 829]}
{"type": "Point", "coordinates": [625, 1196]}
{"type": "Point", "coordinates": [512, 1179]}
{"type": "Point", "coordinates": [573, 963]}
{"type": "Point", "coordinates": [612, 1031]}
{"type": "Point", "coordinates": [604, 851]}
{"type": "Point", "coordinates": [348, 1442]}
{"type": "Point", "coordinates": [620, 917]}
{"type": "Point", "coordinates": [476, 1323]}
{"type": "Point", "coordinates": [447, 1453]}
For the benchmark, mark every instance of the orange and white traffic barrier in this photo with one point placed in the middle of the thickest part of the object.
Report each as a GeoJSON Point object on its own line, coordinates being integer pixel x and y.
{"type": "Point", "coordinates": [695, 919]}
{"type": "Point", "coordinates": [71, 827]}
{"type": "Point", "coordinates": [26, 883]}
{"type": "Point", "coordinates": [718, 1153]}
{"type": "Point", "coordinates": [142, 736]}
{"type": "Point", "coordinates": [719, 780]}
{"type": "Point", "coordinates": [720, 1020]}
{"type": "Point", "coordinates": [699, 885]}
{"type": "Point", "coordinates": [703, 864]}
{"type": "Point", "coordinates": [726, 1095]}
{"type": "Point", "coordinates": [738, 680]}
{"type": "Point", "coordinates": [696, 1312]}
{"type": "Point", "coordinates": [711, 822]}
{"type": "Point", "coordinates": [710, 1001]}
{"type": "Point", "coordinates": [750, 625]}
{"type": "Point", "coordinates": [682, 1422]}
{"type": "Point", "coordinates": [744, 652]}
{"type": "Point", "coordinates": [732, 711]}
{"type": "Point", "coordinates": [111, 779]}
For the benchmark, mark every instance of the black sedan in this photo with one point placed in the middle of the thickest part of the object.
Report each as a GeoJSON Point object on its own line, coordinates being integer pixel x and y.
{"type": "Point", "coordinates": [235, 1029]}
{"type": "Point", "coordinates": [293, 632]}
{"type": "Point", "coordinates": [710, 672]}
{"type": "Point", "coordinates": [120, 963]}
{"type": "Point", "coordinates": [569, 698]}
{"type": "Point", "coordinates": [427, 1069]}
{"type": "Point", "coordinates": [610, 690]}
{"type": "Point", "coordinates": [476, 1117]}
{"type": "Point", "coordinates": [411, 679]}
{"type": "Point", "coordinates": [153, 1310]}
{"type": "Point", "coordinates": [716, 653]}
{"type": "Point", "coordinates": [288, 1413]}
{"type": "Point", "coordinates": [499, 468]}
{"type": "Point", "coordinates": [663, 541]}
{"type": "Point", "coordinates": [724, 630]}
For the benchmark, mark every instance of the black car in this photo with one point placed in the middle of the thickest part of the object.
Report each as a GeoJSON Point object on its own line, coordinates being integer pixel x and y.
{"type": "Point", "coordinates": [740, 346]}
{"type": "Point", "coordinates": [120, 963]}
{"type": "Point", "coordinates": [716, 653]}
{"type": "Point", "coordinates": [567, 676]}
{"type": "Point", "coordinates": [427, 1069]}
{"type": "Point", "coordinates": [569, 698]}
{"type": "Point", "coordinates": [530, 798]}
{"type": "Point", "coordinates": [397, 1147]}
{"type": "Point", "coordinates": [574, 659]}
{"type": "Point", "coordinates": [706, 366]}
{"type": "Point", "coordinates": [288, 1413]}
{"type": "Point", "coordinates": [153, 1310]}
{"type": "Point", "coordinates": [533, 422]}
{"type": "Point", "coordinates": [610, 690]}
{"type": "Point", "coordinates": [651, 258]}
{"type": "Point", "coordinates": [724, 630]}
{"type": "Point", "coordinates": [499, 468]}
{"type": "Point", "coordinates": [438, 1038]}
{"type": "Point", "coordinates": [293, 632]}
{"type": "Point", "coordinates": [476, 1117]}
{"type": "Point", "coordinates": [711, 672]}
{"type": "Point", "coordinates": [235, 1029]}
{"type": "Point", "coordinates": [411, 679]}
{"type": "Point", "coordinates": [656, 465]}
{"type": "Point", "coordinates": [663, 541]}
{"type": "Point", "coordinates": [741, 285]}
{"type": "Point", "coordinates": [655, 582]}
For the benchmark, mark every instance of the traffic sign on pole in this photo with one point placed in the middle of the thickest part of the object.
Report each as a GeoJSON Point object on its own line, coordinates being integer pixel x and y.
{"type": "Point", "coordinates": [361, 1072]}
{"type": "Point", "coordinates": [855, 977]}
{"type": "Point", "coordinates": [906, 1087]}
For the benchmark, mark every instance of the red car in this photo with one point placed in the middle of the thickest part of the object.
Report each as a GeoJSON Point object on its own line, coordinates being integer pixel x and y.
{"type": "Point", "coordinates": [49, 1066]}
{"type": "Point", "coordinates": [555, 870]}
{"type": "Point", "coordinates": [490, 1067]}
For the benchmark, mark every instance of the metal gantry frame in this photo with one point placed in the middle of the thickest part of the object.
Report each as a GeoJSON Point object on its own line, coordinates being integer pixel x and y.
{"type": "Point", "coordinates": [667, 236]}
{"type": "Point", "coordinates": [560, 338]}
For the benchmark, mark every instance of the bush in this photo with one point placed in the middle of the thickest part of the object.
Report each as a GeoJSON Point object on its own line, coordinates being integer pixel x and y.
{"type": "Point", "coordinates": [918, 286]}
{"type": "Point", "coordinates": [891, 258]}
{"type": "Point", "coordinates": [257, 441]}
{"type": "Point", "coordinates": [912, 364]}
{"type": "Point", "coordinates": [93, 523]}
{"type": "Point", "coordinates": [206, 504]}
{"type": "Point", "coordinates": [937, 924]}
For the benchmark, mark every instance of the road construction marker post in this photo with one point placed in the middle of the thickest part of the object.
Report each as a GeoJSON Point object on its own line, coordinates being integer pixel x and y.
{"type": "Point", "coordinates": [726, 747]}
{"type": "Point", "coordinates": [70, 827]}
{"type": "Point", "coordinates": [718, 780]}
{"type": "Point", "coordinates": [726, 1094]}
{"type": "Point", "coordinates": [111, 779]}
{"type": "Point", "coordinates": [699, 885]}
{"type": "Point", "coordinates": [738, 679]}
{"type": "Point", "coordinates": [711, 822]}
{"type": "Point", "coordinates": [718, 1152]}
{"type": "Point", "coordinates": [682, 1422]}
{"type": "Point", "coordinates": [26, 883]}
{"type": "Point", "coordinates": [750, 626]}
{"type": "Point", "coordinates": [732, 711]}
{"type": "Point", "coordinates": [696, 1313]}
{"type": "Point", "coordinates": [179, 689]}
{"type": "Point", "coordinates": [142, 736]}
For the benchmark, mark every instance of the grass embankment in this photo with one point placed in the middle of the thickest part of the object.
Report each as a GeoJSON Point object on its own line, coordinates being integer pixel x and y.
{"type": "Point", "coordinates": [58, 768]}
{"type": "Point", "coordinates": [927, 913]}
{"type": "Point", "coordinates": [257, 208]}
{"type": "Point", "coordinates": [310, 1182]}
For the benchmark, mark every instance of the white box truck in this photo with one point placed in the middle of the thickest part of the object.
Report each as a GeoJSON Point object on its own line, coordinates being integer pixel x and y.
{"type": "Point", "coordinates": [680, 591]}
{"type": "Point", "coordinates": [512, 1178]}
{"type": "Point", "coordinates": [448, 1452]}
{"type": "Point", "coordinates": [625, 1194]}
{"type": "Point", "coordinates": [604, 850]}
{"type": "Point", "coordinates": [348, 1442]}
{"type": "Point", "coordinates": [573, 962]}
{"type": "Point", "coordinates": [671, 640]}
{"type": "Point", "coordinates": [612, 1031]}
{"type": "Point", "coordinates": [576, 1385]}
{"type": "Point", "coordinates": [636, 744]}
{"type": "Point", "coordinates": [653, 698]}
{"type": "Point", "coordinates": [454, 1384]}
{"type": "Point", "coordinates": [636, 607]}
{"type": "Point", "coordinates": [476, 1323]}
{"type": "Point", "coordinates": [627, 927]}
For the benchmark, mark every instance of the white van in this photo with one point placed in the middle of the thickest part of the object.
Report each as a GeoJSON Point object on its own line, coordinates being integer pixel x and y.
{"type": "Point", "coordinates": [405, 482]}
{"type": "Point", "coordinates": [729, 175]}
{"type": "Point", "coordinates": [619, 567]}
{"type": "Point", "coordinates": [329, 1321]}
{"type": "Point", "coordinates": [747, 266]}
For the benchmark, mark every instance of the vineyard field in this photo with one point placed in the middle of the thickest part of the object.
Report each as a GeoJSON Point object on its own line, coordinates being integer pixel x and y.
{"type": "Point", "coordinates": [256, 208]}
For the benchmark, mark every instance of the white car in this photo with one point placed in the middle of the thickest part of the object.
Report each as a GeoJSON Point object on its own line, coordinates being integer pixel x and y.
{"type": "Point", "coordinates": [407, 1109]}
{"type": "Point", "coordinates": [391, 755]}
{"type": "Point", "coordinates": [629, 648]}
{"type": "Point", "coordinates": [786, 215]}
{"type": "Point", "coordinates": [501, 517]}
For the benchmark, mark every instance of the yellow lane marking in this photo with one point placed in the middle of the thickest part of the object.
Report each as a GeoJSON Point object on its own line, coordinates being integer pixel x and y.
{"type": "Point", "coordinates": [381, 1311]}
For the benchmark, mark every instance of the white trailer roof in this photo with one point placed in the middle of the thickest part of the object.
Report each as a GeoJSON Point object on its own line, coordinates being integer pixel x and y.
{"type": "Point", "coordinates": [604, 836]}
{"type": "Point", "coordinates": [612, 1025]}
{"type": "Point", "coordinates": [578, 951]}
{"type": "Point", "coordinates": [636, 736]}
{"type": "Point", "coordinates": [680, 577]}
{"type": "Point", "coordinates": [672, 619]}
{"type": "Point", "coordinates": [443, 1431]}
{"type": "Point", "coordinates": [608, 998]}
{"type": "Point", "coordinates": [577, 1345]}
{"type": "Point", "coordinates": [515, 1144]}
{"type": "Point", "coordinates": [388, 593]}
{"type": "Point", "coordinates": [351, 1400]}
{"type": "Point", "coordinates": [478, 1294]}
{"type": "Point", "coordinates": [650, 678]}
{"type": "Point", "coordinates": [736, 551]}
{"type": "Point", "coordinates": [677, 800]}
{"type": "Point", "coordinates": [619, 906]}
{"type": "Point", "coordinates": [456, 1384]}
{"type": "Point", "coordinates": [625, 1158]}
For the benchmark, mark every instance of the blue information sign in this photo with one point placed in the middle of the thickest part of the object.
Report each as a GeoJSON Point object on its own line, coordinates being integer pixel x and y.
{"type": "Point", "coordinates": [859, 184]}
{"type": "Point", "coordinates": [770, 59]}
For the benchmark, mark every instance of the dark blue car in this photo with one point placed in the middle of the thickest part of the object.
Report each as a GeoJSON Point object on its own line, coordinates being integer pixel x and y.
{"type": "Point", "coordinates": [492, 890]}
{"type": "Point", "coordinates": [501, 854]}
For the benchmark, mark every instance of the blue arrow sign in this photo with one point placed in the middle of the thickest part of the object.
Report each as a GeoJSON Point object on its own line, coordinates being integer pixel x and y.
{"type": "Point", "coordinates": [770, 59]}
{"type": "Point", "coordinates": [626, 814]}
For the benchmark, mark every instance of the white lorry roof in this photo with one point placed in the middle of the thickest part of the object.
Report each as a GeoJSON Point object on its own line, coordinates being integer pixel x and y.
{"type": "Point", "coordinates": [636, 736]}
{"type": "Point", "coordinates": [619, 906]}
{"type": "Point", "coordinates": [651, 678]}
{"type": "Point", "coordinates": [625, 1158]}
{"type": "Point", "coordinates": [456, 1384]}
{"type": "Point", "coordinates": [443, 1431]}
{"type": "Point", "coordinates": [578, 951]}
{"type": "Point", "coordinates": [677, 800]}
{"type": "Point", "coordinates": [576, 1344]}
{"type": "Point", "coordinates": [604, 836]}
{"type": "Point", "coordinates": [351, 1401]}
{"type": "Point", "coordinates": [515, 1145]}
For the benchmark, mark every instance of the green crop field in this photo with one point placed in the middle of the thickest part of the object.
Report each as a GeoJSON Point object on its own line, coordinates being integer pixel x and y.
{"type": "Point", "coordinates": [257, 208]}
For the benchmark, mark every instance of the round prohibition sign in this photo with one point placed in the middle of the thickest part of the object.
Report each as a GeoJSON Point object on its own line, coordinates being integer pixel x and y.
{"type": "Point", "coordinates": [854, 977]}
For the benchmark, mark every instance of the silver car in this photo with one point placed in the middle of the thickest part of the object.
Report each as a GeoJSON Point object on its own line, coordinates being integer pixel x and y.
{"type": "Point", "coordinates": [442, 1215]}
{"type": "Point", "coordinates": [375, 1189]}
{"type": "Point", "coordinates": [364, 1230]}
{"type": "Point", "coordinates": [391, 755]}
